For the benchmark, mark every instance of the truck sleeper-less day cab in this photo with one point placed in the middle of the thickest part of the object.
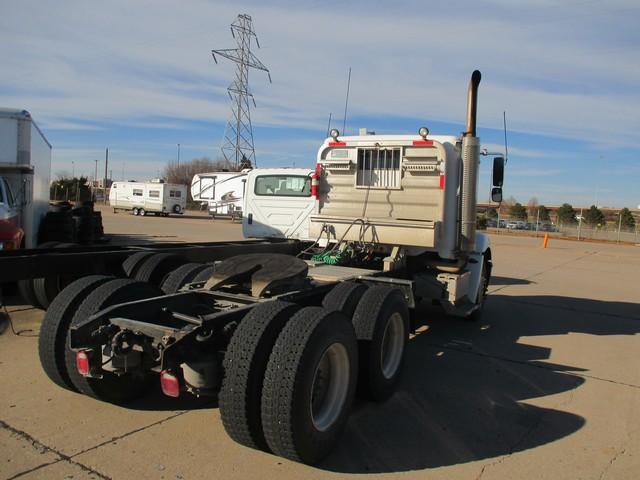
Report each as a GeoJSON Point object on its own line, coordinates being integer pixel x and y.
{"type": "Point", "coordinates": [154, 197]}
{"type": "Point", "coordinates": [286, 340]}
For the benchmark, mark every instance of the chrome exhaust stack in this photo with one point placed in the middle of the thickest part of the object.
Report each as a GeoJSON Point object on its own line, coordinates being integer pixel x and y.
{"type": "Point", "coordinates": [470, 162]}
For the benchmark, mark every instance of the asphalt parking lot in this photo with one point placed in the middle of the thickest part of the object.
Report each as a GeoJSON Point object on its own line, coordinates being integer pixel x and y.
{"type": "Point", "coordinates": [547, 385]}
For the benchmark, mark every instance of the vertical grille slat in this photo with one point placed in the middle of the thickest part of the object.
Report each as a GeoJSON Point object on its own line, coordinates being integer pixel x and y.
{"type": "Point", "coordinates": [378, 168]}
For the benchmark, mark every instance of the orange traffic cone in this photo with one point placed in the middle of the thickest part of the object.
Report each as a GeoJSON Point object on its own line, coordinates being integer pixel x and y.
{"type": "Point", "coordinates": [545, 240]}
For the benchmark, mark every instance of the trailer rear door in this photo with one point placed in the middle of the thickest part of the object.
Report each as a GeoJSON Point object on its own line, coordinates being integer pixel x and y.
{"type": "Point", "coordinates": [278, 204]}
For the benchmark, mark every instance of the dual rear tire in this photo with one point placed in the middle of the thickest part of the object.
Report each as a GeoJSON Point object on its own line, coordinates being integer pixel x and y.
{"type": "Point", "coordinates": [77, 302]}
{"type": "Point", "coordinates": [290, 379]}
{"type": "Point", "coordinates": [291, 373]}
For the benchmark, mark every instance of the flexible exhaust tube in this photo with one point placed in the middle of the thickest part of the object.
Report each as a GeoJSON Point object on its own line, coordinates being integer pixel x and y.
{"type": "Point", "coordinates": [470, 161]}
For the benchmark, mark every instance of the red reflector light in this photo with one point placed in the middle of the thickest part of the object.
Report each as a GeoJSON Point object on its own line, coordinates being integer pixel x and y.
{"type": "Point", "coordinates": [441, 182]}
{"type": "Point", "coordinates": [170, 384]}
{"type": "Point", "coordinates": [337, 144]}
{"type": "Point", "coordinates": [82, 362]}
{"type": "Point", "coordinates": [423, 143]}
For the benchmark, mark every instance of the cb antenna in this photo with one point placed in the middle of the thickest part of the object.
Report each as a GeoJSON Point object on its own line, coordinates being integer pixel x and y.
{"type": "Point", "coordinates": [346, 104]}
{"type": "Point", "coordinates": [506, 148]}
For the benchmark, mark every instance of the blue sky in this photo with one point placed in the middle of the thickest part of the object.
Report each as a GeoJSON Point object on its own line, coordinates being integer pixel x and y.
{"type": "Point", "coordinates": [138, 77]}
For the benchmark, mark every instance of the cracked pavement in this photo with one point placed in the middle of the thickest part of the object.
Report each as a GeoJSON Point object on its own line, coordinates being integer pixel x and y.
{"type": "Point", "coordinates": [547, 385]}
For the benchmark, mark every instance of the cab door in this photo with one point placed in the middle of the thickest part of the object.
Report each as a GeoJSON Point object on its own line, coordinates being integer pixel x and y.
{"type": "Point", "coordinates": [278, 204]}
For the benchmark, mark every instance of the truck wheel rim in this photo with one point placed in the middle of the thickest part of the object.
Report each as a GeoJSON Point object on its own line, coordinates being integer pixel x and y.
{"type": "Point", "coordinates": [392, 345]}
{"type": "Point", "coordinates": [330, 386]}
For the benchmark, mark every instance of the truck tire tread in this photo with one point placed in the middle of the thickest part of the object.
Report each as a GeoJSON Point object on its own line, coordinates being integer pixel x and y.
{"type": "Point", "coordinates": [344, 297]}
{"type": "Point", "coordinates": [133, 262]}
{"type": "Point", "coordinates": [245, 363]}
{"type": "Point", "coordinates": [181, 276]}
{"type": "Point", "coordinates": [52, 340]}
{"type": "Point", "coordinates": [369, 321]}
{"type": "Point", "coordinates": [287, 424]}
{"type": "Point", "coordinates": [204, 275]}
{"type": "Point", "coordinates": [155, 268]}
{"type": "Point", "coordinates": [110, 388]}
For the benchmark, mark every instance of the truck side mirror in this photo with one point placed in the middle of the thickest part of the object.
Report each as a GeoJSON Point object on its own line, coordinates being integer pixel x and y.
{"type": "Point", "coordinates": [496, 194]}
{"type": "Point", "coordinates": [498, 172]}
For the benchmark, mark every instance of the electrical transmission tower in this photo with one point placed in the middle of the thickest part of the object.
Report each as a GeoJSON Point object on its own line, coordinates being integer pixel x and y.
{"type": "Point", "coordinates": [237, 145]}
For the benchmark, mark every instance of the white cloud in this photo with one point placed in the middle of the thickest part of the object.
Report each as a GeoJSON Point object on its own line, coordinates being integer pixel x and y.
{"type": "Point", "coordinates": [130, 62]}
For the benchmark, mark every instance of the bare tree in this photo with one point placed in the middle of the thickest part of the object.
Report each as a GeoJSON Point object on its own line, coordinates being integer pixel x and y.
{"type": "Point", "coordinates": [532, 207]}
{"type": "Point", "coordinates": [505, 206]}
{"type": "Point", "coordinates": [184, 172]}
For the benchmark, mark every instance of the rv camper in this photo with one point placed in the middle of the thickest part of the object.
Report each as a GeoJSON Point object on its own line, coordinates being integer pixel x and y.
{"type": "Point", "coordinates": [222, 192]}
{"type": "Point", "coordinates": [154, 197]}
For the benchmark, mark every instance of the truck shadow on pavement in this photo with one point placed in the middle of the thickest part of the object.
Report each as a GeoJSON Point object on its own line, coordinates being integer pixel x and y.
{"type": "Point", "coordinates": [460, 398]}
{"type": "Point", "coordinates": [509, 281]}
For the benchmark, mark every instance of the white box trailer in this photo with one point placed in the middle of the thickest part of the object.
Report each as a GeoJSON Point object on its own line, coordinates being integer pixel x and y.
{"type": "Point", "coordinates": [25, 174]}
{"type": "Point", "coordinates": [141, 198]}
{"type": "Point", "coordinates": [223, 192]}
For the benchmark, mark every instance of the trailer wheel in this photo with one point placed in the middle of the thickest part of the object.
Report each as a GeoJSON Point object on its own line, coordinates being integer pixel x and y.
{"type": "Point", "coordinates": [110, 388]}
{"type": "Point", "coordinates": [181, 276]}
{"type": "Point", "coordinates": [135, 211]}
{"type": "Point", "coordinates": [142, 212]}
{"type": "Point", "coordinates": [245, 363]}
{"type": "Point", "coordinates": [46, 288]}
{"type": "Point", "coordinates": [27, 292]}
{"type": "Point", "coordinates": [52, 340]}
{"type": "Point", "coordinates": [381, 322]}
{"type": "Point", "coordinates": [177, 209]}
{"type": "Point", "coordinates": [309, 385]}
{"type": "Point", "coordinates": [27, 287]}
{"type": "Point", "coordinates": [344, 297]}
{"type": "Point", "coordinates": [155, 268]}
{"type": "Point", "coordinates": [133, 262]}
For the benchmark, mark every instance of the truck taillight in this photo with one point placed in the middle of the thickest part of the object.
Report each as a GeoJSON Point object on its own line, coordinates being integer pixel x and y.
{"type": "Point", "coordinates": [442, 180]}
{"type": "Point", "coordinates": [170, 384]}
{"type": "Point", "coordinates": [82, 362]}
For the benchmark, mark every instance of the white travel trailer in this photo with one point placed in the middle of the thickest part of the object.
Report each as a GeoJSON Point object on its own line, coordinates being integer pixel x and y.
{"type": "Point", "coordinates": [222, 192]}
{"type": "Point", "coordinates": [154, 197]}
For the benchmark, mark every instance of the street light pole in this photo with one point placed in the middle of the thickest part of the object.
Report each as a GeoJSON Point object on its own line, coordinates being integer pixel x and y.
{"type": "Point", "coordinates": [178, 155]}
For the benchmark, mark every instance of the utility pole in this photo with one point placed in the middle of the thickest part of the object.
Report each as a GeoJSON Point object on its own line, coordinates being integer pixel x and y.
{"type": "Point", "coordinates": [580, 224]}
{"type": "Point", "coordinates": [178, 155]}
{"type": "Point", "coordinates": [237, 144]}
{"type": "Point", "coordinates": [94, 183]}
{"type": "Point", "coordinates": [619, 224]}
{"type": "Point", "coordinates": [106, 166]}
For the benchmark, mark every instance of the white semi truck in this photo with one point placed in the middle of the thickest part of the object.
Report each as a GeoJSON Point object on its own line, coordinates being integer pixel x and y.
{"type": "Point", "coordinates": [287, 332]}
